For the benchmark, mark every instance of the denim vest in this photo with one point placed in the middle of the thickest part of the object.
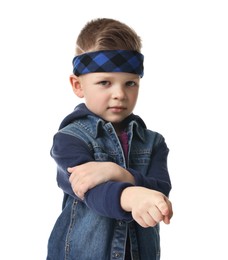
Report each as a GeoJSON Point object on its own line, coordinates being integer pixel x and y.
{"type": "Point", "coordinates": [81, 234]}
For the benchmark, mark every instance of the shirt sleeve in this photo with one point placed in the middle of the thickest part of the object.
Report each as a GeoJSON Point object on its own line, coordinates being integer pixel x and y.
{"type": "Point", "coordinates": [69, 151]}
{"type": "Point", "coordinates": [157, 177]}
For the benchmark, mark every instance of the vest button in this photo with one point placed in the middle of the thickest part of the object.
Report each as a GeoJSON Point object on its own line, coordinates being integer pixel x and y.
{"type": "Point", "coordinates": [116, 255]}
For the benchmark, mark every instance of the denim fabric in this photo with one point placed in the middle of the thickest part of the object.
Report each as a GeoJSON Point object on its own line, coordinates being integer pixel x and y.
{"type": "Point", "coordinates": [80, 233]}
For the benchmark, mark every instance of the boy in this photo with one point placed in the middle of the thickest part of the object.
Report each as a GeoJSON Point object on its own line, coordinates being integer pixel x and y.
{"type": "Point", "coordinates": [112, 169]}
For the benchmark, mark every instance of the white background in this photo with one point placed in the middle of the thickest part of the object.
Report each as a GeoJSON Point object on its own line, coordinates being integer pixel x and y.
{"type": "Point", "coordinates": [183, 96]}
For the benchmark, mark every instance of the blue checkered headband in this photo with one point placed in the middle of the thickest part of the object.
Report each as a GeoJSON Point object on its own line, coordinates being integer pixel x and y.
{"type": "Point", "coordinates": [109, 61]}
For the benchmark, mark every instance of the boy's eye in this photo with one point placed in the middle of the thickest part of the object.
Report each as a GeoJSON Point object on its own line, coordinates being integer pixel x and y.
{"type": "Point", "coordinates": [104, 83]}
{"type": "Point", "coordinates": [131, 83]}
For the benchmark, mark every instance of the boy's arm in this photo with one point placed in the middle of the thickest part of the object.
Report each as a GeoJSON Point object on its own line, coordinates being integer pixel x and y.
{"type": "Point", "coordinates": [88, 175]}
{"type": "Point", "coordinates": [106, 199]}
{"type": "Point", "coordinates": [148, 207]}
{"type": "Point", "coordinates": [69, 151]}
{"type": "Point", "coordinates": [157, 177]}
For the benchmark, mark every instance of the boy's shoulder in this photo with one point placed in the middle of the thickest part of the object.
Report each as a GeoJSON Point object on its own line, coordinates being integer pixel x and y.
{"type": "Point", "coordinates": [79, 112]}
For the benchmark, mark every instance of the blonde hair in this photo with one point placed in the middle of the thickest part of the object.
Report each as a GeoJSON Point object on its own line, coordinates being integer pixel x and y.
{"type": "Point", "coordinates": [107, 34]}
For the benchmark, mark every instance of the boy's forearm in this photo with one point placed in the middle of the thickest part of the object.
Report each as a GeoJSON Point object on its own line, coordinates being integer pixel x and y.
{"type": "Point", "coordinates": [105, 200]}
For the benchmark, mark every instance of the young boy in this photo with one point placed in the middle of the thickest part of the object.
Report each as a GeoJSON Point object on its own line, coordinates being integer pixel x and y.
{"type": "Point", "coordinates": [112, 169]}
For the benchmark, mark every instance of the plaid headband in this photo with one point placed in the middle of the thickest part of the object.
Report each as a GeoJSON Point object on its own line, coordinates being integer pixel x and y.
{"type": "Point", "coordinates": [109, 61]}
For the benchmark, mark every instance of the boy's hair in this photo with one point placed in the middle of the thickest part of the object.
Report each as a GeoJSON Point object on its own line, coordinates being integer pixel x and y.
{"type": "Point", "coordinates": [107, 34]}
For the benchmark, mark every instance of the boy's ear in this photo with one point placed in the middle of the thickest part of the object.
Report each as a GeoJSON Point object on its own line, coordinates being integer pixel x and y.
{"type": "Point", "coordinates": [76, 86]}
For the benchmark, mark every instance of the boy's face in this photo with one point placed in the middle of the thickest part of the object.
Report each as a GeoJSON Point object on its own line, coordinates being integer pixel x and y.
{"type": "Point", "coordinates": [111, 96]}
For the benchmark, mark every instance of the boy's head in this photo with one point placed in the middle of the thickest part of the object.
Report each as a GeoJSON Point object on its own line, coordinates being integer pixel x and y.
{"type": "Point", "coordinates": [107, 34]}
{"type": "Point", "coordinates": [107, 69]}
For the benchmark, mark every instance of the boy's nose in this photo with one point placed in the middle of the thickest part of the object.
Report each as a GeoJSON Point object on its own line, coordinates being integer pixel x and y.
{"type": "Point", "coordinates": [119, 92]}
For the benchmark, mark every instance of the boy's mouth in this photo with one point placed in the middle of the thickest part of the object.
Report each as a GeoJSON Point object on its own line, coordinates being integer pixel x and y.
{"type": "Point", "coordinates": [117, 108]}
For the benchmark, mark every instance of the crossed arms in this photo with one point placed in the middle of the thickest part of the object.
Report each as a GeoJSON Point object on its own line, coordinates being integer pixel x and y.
{"type": "Point", "coordinates": [101, 184]}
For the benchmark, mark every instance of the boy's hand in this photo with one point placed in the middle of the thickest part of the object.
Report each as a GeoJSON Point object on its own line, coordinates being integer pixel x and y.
{"type": "Point", "coordinates": [148, 207]}
{"type": "Point", "coordinates": [88, 175]}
